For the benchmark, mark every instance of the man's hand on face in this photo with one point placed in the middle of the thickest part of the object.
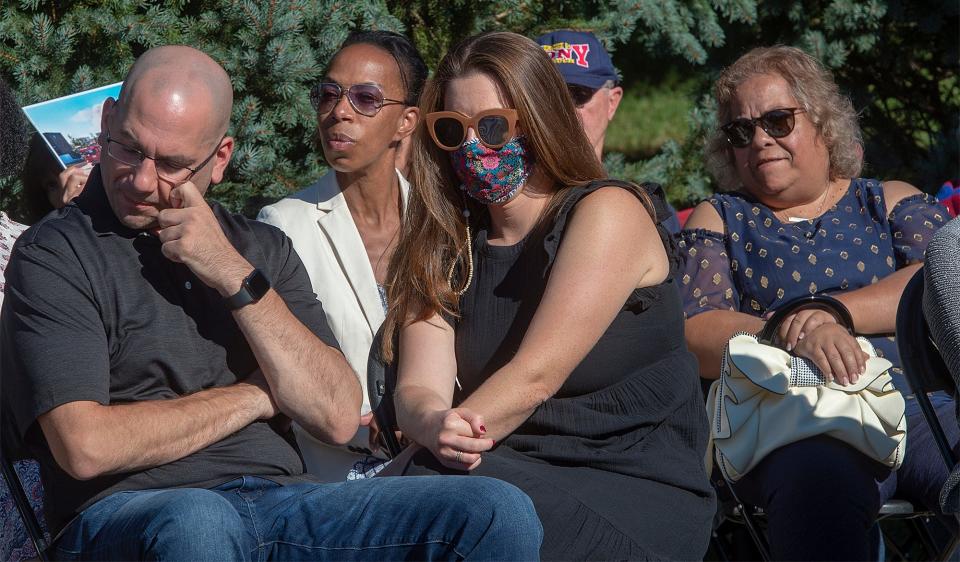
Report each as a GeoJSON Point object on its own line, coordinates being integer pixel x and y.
{"type": "Point", "coordinates": [191, 235]}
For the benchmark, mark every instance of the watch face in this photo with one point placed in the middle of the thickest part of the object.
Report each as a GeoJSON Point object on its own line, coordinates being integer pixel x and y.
{"type": "Point", "coordinates": [258, 284]}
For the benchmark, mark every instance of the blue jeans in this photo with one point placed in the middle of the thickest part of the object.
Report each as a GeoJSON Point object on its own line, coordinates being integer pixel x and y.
{"type": "Point", "coordinates": [251, 518]}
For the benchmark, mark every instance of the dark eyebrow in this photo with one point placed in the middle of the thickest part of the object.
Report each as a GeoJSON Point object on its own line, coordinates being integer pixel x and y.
{"type": "Point", "coordinates": [329, 80]}
{"type": "Point", "coordinates": [178, 161]}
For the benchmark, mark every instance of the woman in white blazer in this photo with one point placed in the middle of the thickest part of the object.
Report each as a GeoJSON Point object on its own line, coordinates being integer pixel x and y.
{"type": "Point", "coordinates": [345, 226]}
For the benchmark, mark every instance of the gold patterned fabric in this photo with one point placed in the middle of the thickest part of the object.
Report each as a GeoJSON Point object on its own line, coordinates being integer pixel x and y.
{"type": "Point", "coordinates": [763, 262]}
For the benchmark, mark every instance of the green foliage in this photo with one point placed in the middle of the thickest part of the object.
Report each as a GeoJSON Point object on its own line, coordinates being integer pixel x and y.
{"type": "Point", "coordinates": [273, 51]}
{"type": "Point", "coordinates": [897, 59]}
{"type": "Point", "coordinates": [650, 115]}
{"type": "Point", "coordinates": [677, 166]}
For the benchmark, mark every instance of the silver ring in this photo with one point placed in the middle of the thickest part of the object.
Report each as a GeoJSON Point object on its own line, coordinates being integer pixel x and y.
{"type": "Point", "coordinates": [459, 454]}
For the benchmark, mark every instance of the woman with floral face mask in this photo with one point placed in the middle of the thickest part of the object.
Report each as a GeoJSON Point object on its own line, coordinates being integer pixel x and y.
{"type": "Point", "coordinates": [539, 329]}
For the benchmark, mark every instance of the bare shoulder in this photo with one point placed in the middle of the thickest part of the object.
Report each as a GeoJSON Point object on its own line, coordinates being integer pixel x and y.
{"type": "Point", "coordinates": [612, 223]}
{"type": "Point", "coordinates": [705, 217]}
{"type": "Point", "coordinates": [609, 206]}
{"type": "Point", "coordinates": [895, 191]}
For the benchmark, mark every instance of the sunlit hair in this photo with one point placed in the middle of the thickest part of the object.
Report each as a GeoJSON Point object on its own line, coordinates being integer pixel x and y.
{"type": "Point", "coordinates": [816, 92]}
{"type": "Point", "coordinates": [433, 237]}
{"type": "Point", "coordinates": [413, 71]}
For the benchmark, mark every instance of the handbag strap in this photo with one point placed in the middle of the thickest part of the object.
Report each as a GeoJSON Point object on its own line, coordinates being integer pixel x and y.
{"type": "Point", "coordinates": [819, 302]}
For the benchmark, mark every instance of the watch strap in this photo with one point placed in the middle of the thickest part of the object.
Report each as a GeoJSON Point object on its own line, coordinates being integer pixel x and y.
{"type": "Point", "coordinates": [252, 289]}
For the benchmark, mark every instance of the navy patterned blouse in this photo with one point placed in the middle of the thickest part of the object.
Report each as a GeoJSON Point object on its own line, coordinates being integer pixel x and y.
{"type": "Point", "coordinates": [760, 263]}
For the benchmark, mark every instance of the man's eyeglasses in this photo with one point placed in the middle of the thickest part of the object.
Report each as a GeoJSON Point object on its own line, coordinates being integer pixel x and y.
{"type": "Point", "coordinates": [494, 127]}
{"type": "Point", "coordinates": [167, 171]}
{"type": "Point", "coordinates": [581, 94]}
{"type": "Point", "coordinates": [777, 123]}
{"type": "Point", "coordinates": [366, 99]}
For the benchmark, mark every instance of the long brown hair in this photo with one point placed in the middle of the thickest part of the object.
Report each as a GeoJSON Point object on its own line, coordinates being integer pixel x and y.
{"type": "Point", "coordinates": [433, 236]}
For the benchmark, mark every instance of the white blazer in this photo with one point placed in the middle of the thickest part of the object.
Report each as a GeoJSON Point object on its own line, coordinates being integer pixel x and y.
{"type": "Point", "coordinates": [321, 227]}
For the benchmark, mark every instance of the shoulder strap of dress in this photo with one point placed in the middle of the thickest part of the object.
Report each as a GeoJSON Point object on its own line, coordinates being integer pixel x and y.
{"type": "Point", "coordinates": [654, 192]}
{"type": "Point", "coordinates": [655, 196]}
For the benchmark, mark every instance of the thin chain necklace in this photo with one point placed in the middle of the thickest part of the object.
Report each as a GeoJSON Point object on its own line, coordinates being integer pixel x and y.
{"type": "Point", "coordinates": [823, 199]}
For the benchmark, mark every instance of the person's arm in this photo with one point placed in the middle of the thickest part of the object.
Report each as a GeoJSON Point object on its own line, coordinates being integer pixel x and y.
{"type": "Point", "coordinates": [941, 295]}
{"type": "Point", "coordinates": [60, 376]}
{"type": "Point", "coordinates": [310, 381]}
{"type": "Point", "coordinates": [88, 439]}
{"type": "Point", "coordinates": [708, 332]}
{"type": "Point", "coordinates": [426, 374]}
{"type": "Point", "coordinates": [610, 248]}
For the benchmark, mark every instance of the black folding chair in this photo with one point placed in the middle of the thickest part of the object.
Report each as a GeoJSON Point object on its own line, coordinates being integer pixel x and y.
{"type": "Point", "coordinates": [11, 451]}
{"type": "Point", "coordinates": [907, 539]}
{"type": "Point", "coordinates": [381, 383]}
{"type": "Point", "coordinates": [916, 359]}
{"type": "Point", "coordinates": [924, 369]}
{"type": "Point", "coordinates": [923, 366]}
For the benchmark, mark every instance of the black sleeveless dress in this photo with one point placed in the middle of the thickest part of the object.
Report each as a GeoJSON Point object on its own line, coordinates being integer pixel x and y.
{"type": "Point", "coordinates": [614, 461]}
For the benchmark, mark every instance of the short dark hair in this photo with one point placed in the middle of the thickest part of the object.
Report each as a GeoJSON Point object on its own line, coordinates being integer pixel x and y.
{"type": "Point", "coordinates": [14, 133]}
{"type": "Point", "coordinates": [39, 176]}
{"type": "Point", "coordinates": [413, 71]}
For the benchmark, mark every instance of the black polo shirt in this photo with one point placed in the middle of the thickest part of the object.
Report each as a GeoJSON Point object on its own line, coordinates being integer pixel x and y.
{"type": "Point", "coordinates": [94, 311]}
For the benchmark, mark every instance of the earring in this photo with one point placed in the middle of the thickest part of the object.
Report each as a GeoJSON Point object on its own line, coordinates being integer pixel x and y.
{"type": "Point", "coordinates": [462, 290]}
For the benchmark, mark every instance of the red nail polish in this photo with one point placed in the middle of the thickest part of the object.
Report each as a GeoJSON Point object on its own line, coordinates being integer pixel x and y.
{"type": "Point", "coordinates": [483, 429]}
{"type": "Point", "coordinates": [494, 441]}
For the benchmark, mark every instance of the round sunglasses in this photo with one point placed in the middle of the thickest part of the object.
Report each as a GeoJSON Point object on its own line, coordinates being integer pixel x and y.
{"type": "Point", "coordinates": [494, 127]}
{"type": "Point", "coordinates": [777, 123]}
{"type": "Point", "coordinates": [366, 99]}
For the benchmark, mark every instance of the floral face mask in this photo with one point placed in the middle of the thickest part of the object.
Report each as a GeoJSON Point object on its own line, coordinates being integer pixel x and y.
{"type": "Point", "coordinates": [492, 176]}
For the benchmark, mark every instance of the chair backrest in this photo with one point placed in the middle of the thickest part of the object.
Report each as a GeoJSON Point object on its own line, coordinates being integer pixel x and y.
{"type": "Point", "coordinates": [11, 450]}
{"type": "Point", "coordinates": [922, 364]}
{"type": "Point", "coordinates": [381, 382]}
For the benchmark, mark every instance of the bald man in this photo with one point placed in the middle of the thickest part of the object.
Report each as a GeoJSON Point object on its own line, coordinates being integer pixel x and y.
{"type": "Point", "coordinates": [162, 347]}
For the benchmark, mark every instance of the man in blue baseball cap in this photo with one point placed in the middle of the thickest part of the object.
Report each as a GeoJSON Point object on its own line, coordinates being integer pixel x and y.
{"type": "Point", "coordinates": [590, 76]}
{"type": "Point", "coordinates": [593, 84]}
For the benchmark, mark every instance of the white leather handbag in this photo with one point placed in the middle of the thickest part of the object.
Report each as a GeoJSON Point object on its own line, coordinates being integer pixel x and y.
{"type": "Point", "coordinates": [766, 398]}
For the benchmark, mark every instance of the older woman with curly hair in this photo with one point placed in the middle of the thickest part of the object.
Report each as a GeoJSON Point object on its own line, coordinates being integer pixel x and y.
{"type": "Point", "coordinates": [797, 220]}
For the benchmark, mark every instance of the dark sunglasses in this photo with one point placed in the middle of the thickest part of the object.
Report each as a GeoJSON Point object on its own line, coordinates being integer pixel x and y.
{"type": "Point", "coordinates": [494, 127]}
{"type": "Point", "coordinates": [366, 99]}
{"type": "Point", "coordinates": [581, 94]}
{"type": "Point", "coordinates": [777, 123]}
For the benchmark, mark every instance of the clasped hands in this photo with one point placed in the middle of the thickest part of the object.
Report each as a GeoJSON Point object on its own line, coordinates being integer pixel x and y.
{"type": "Point", "coordinates": [459, 438]}
{"type": "Point", "coordinates": [816, 335]}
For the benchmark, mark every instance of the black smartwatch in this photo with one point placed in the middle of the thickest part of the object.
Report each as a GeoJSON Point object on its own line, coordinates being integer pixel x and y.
{"type": "Point", "coordinates": [252, 289]}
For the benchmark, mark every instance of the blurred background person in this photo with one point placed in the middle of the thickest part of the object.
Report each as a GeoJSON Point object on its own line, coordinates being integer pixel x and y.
{"type": "Point", "coordinates": [345, 226]}
{"type": "Point", "coordinates": [46, 184]}
{"type": "Point", "coordinates": [941, 308]}
{"type": "Point", "coordinates": [594, 85]}
{"type": "Point", "coordinates": [15, 544]}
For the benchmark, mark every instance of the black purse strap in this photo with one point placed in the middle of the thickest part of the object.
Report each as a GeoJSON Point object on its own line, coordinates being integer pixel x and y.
{"type": "Point", "coordinates": [819, 302]}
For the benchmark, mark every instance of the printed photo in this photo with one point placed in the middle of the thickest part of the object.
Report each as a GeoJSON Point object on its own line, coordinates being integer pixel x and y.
{"type": "Point", "coordinates": [70, 125]}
